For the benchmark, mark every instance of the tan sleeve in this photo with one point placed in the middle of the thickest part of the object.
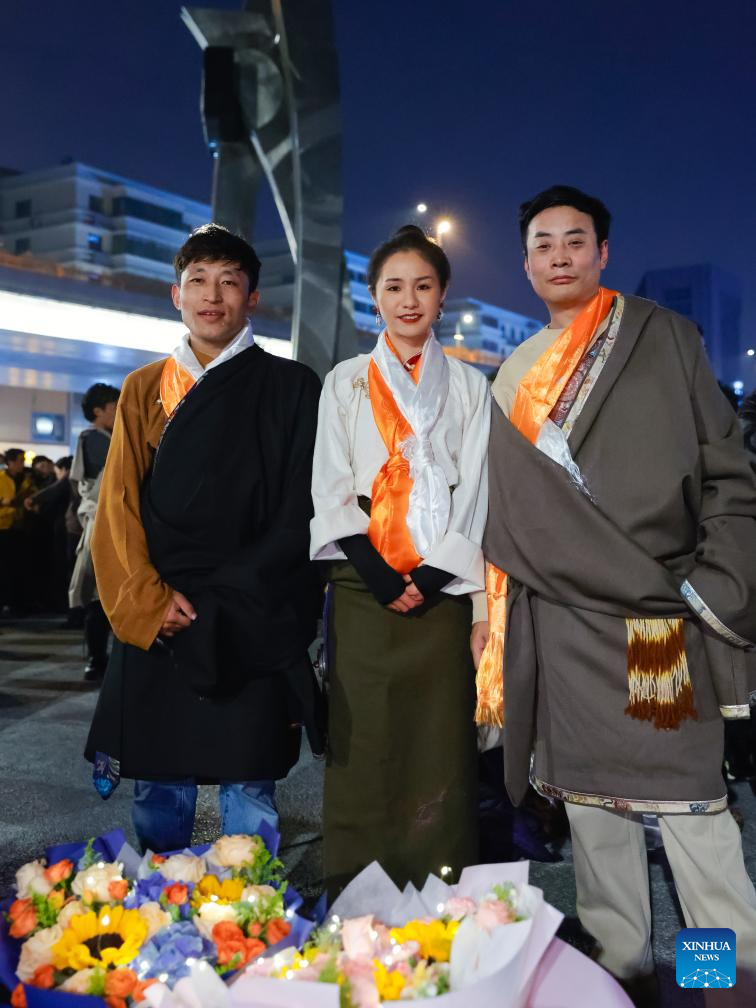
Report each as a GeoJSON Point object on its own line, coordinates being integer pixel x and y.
{"type": "Point", "coordinates": [132, 594]}
{"type": "Point", "coordinates": [517, 365]}
{"type": "Point", "coordinates": [480, 607]}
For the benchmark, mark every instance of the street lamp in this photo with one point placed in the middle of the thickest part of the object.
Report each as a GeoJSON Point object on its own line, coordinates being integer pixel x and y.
{"type": "Point", "coordinates": [422, 207]}
{"type": "Point", "coordinates": [468, 318]}
{"type": "Point", "coordinates": [750, 352]}
{"type": "Point", "coordinates": [443, 227]}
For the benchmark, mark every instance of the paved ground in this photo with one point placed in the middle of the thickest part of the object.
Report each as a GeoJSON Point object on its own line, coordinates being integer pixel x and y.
{"type": "Point", "coordinates": [46, 793]}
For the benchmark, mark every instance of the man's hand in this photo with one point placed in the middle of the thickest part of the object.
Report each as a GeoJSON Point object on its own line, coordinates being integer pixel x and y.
{"type": "Point", "coordinates": [410, 599]}
{"type": "Point", "coordinates": [478, 640]}
{"type": "Point", "coordinates": [179, 615]}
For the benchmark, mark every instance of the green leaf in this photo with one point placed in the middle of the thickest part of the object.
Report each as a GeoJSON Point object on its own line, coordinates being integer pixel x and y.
{"type": "Point", "coordinates": [90, 856]}
{"type": "Point", "coordinates": [97, 982]}
{"type": "Point", "coordinates": [47, 915]}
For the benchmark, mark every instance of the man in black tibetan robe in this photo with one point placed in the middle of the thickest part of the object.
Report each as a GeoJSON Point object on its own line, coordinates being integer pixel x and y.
{"type": "Point", "coordinates": [201, 555]}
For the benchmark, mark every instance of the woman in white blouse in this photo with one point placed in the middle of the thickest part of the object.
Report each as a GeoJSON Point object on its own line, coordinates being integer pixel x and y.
{"type": "Point", "coordinates": [400, 493]}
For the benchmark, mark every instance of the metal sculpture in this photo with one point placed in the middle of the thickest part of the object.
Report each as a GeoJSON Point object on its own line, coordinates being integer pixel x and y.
{"type": "Point", "coordinates": [271, 111]}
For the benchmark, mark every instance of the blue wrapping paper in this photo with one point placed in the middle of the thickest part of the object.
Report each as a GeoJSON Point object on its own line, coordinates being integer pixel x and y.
{"type": "Point", "coordinates": [109, 846]}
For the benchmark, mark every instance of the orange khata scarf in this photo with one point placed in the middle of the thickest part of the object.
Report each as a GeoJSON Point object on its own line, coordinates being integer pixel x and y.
{"type": "Point", "coordinates": [658, 681]}
{"type": "Point", "coordinates": [182, 370]}
{"type": "Point", "coordinates": [389, 501]}
{"type": "Point", "coordinates": [410, 498]}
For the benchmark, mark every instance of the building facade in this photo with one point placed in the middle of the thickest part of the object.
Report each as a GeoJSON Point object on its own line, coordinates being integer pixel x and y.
{"type": "Point", "coordinates": [85, 269]}
{"type": "Point", "coordinates": [712, 299]}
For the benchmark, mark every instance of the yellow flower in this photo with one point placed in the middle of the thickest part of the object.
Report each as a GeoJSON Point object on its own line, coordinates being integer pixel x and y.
{"type": "Point", "coordinates": [390, 983]}
{"type": "Point", "coordinates": [228, 891]}
{"type": "Point", "coordinates": [111, 938]}
{"type": "Point", "coordinates": [434, 937]}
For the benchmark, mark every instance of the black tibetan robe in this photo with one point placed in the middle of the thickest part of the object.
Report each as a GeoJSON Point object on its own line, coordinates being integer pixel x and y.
{"type": "Point", "coordinates": [225, 509]}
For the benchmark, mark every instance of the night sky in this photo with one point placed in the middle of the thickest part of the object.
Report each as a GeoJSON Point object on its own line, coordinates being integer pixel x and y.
{"type": "Point", "coordinates": [471, 107]}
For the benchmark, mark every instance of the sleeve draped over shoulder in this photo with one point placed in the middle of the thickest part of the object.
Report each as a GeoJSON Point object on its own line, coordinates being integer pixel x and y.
{"type": "Point", "coordinates": [130, 589]}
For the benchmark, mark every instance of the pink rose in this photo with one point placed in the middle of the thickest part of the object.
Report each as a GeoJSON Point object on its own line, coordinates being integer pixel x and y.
{"type": "Point", "coordinates": [492, 913]}
{"type": "Point", "coordinates": [358, 936]}
{"type": "Point", "coordinates": [460, 906]}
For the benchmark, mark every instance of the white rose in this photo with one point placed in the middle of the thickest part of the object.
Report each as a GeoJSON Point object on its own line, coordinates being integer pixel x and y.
{"type": "Point", "coordinates": [233, 851]}
{"type": "Point", "coordinates": [95, 881]}
{"type": "Point", "coordinates": [37, 951]}
{"type": "Point", "coordinates": [71, 909]}
{"type": "Point", "coordinates": [258, 892]}
{"type": "Point", "coordinates": [183, 868]}
{"type": "Point", "coordinates": [210, 914]}
{"type": "Point", "coordinates": [30, 878]}
{"type": "Point", "coordinates": [154, 917]}
{"type": "Point", "coordinates": [79, 982]}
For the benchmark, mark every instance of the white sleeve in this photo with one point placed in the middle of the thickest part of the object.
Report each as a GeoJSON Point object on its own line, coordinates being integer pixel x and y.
{"type": "Point", "coordinates": [459, 552]}
{"type": "Point", "coordinates": [337, 513]}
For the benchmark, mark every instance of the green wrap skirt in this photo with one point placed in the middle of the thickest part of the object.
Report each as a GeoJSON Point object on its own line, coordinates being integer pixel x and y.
{"type": "Point", "coordinates": [401, 776]}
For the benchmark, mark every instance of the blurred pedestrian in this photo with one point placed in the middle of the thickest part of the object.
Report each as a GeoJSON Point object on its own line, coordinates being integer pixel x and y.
{"type": "Point", "coordinates": [99, 407]}
{"type": "Point", "coordinates": [15, 486]}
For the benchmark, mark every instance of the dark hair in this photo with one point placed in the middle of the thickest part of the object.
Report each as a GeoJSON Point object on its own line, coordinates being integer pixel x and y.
{"type": "Point", "coordinates": [564, 195]}
{"type": "Point", "coordinates": [64, 462]}
{"type": "Point", "coordinates": [11, 454]}
{"type": "Point", "coordinates": [98, 396]}
{"type": "Point", "coordinates": [410, 238]}
{"type": "Point", "coordinates": [214, 243]}
{"type": "Point", "coordinates": [41, 458]}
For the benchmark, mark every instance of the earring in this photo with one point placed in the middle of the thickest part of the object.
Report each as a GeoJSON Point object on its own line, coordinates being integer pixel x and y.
{"type": "Point", "coordinates": [378, 319]}
{"type": "Point", "coordinates": [440, 313]}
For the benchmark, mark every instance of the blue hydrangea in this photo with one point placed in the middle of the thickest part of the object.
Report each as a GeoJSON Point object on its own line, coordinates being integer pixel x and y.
{"type": "Point", "coordinates": [166, 953]}
{"type": "Point", "coordinates": [146, 890]}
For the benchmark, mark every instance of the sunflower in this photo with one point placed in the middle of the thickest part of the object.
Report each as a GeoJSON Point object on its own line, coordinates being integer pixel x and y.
{"type": "Point", "coordinates": [211, 888]}
{"type": "Point", "coordinates": [111, 938]}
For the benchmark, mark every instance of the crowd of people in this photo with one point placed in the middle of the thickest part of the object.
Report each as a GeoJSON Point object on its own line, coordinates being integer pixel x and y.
{"type": "Point", "coordinates": [46, 515]}
{"type": "Point", "coordinates": [566, 559]}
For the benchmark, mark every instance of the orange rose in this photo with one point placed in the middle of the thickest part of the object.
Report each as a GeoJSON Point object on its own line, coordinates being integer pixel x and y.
{"type": "Point", "coordinates": [230, 941]}
{"type": "Point", "coordinates": [158, 859]}
{"type": "Point", "coordinates": [117, 889]}
{"type": "Point", "coordinates": [115, 1002]}
{"type": "Point", "coordinates": [254, 929]}
{"type": "Point", "coordinates": [44, 977]}
{"type": "Point", "coordinates": [253, 948]}
{"type": "Point", "coordinates": [59, 871]}
{"type": "Point", "coordinates": [18, 997]}
{"type": "Point", "coordinates": [176, 893]}
{"type": "Point", "coordinates": [18, 907]}
{"type": "Point", "coordinates": [24, 923]}
{"type": "Point", "coordinates": [276, 930]}
{"type": "Point", "coordinates": [120, 983]}
{"type": "Point", "coordinates": [137, 994]}
{"type": "Point", "coordinates": [225, 931]}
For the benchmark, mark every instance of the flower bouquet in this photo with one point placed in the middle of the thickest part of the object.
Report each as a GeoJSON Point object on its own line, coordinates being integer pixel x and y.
{"type": "Point", "coordinates": [97, 920]}
{"type": "Point", "coordinates": [478, 942]}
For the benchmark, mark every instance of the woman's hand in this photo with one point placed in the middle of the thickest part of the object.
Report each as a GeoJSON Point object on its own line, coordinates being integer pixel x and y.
{"type": "Point", "coordinates": [410, 599]}
{"type": "Point", "coordinates": [478, 640]}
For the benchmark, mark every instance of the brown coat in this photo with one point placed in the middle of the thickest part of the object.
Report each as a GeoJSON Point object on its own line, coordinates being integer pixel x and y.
{"type": "Point", "coordinates": [675, 498]}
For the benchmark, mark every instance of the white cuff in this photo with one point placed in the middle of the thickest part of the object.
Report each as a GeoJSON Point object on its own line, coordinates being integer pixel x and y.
{"type": "Point", "coordinates": [336, 523]}
{"type": "Point", "coordinates": [461, 557]}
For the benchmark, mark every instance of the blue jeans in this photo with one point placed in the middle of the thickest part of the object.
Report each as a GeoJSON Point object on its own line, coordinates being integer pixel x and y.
{"type": "Point", "coordinates": [163, 811]}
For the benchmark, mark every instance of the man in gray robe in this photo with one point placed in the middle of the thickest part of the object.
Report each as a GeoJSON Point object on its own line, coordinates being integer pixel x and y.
{"type": "Point", "coordinates": [628, 534]}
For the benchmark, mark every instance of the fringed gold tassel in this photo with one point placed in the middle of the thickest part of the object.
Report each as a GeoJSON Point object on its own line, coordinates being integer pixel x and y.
{"type": "Point", "coordinates": [659, 683]}
{"type": "Point", "coordinates": [489, 681]}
